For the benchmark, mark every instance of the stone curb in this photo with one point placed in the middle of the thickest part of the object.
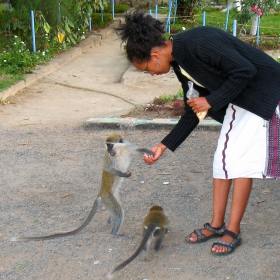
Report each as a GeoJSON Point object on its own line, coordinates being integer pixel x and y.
{"type": "Point", "coordinates": [134, 123]}
{"type": "Point", "coordinates": [59, 61]}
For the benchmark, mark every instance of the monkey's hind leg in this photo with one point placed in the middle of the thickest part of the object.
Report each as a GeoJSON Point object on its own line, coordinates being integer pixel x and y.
{"type": "Point", "coordinates": [147, 248]}
{"type": "Point", "coordinates": [116, 215]}
{"type": "Point", "coordinates": [158, 244]}
{"type": "Point", "coordinates": [159, 236]}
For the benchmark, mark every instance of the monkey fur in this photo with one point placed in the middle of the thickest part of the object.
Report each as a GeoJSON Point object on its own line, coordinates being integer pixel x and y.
{"type": "Point", "coordinates": [155, 226]}
{"type": "Point", "coordinates": [116, 162]}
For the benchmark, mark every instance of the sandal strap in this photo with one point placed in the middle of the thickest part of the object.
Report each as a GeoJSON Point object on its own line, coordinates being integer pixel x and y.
{"type": "Point", "coordinates": [219, 230]}
{"type": "Point", "coordinates": [230, 246]}
{"type": "Point", "coordinates": [230, 233]}
{"type": "Point", "coordinates": [199, 234]}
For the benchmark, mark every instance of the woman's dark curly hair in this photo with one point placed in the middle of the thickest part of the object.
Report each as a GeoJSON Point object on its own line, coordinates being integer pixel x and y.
{"type": "Point", "coordinates": [141, 32]}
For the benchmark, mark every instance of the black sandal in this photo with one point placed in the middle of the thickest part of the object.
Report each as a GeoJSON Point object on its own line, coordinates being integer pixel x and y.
{"type": "Point", "coordinates": [230, 245]}
{"type": "Point", "coordinates": [202, 238]}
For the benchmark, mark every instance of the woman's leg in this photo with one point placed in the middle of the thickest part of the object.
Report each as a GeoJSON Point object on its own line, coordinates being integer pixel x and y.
{"type": "Point", "coordinates": [240, 196]}
{"type": "Point", "coordinates": [220, 196]}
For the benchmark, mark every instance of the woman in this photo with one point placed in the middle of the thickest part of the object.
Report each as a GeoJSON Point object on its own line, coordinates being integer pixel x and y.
{"type": "Point", "coordinates": [239, 85]}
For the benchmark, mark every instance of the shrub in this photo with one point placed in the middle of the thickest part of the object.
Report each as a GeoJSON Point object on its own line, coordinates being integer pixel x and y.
{"type": "Point", "coordinates": [97, 21]}
{"type": "Point", "coordinates": [17, 59]}
{"type": "Point", "coordinates": [117, 9]}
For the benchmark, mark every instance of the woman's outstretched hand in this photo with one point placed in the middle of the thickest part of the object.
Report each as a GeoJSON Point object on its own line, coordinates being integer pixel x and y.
{"type": "Point", "coordinates": [158, 151]}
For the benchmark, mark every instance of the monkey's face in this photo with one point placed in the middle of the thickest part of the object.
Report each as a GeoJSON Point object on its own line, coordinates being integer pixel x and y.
{"type": "Point", "coordinates": [110, 149]}
{"type": "Point", "coordinates": [115, 149]}
{"type": "Point", "coordinates": [111, 143]}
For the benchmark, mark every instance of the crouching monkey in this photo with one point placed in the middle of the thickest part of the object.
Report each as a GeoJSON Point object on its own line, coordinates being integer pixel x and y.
{"type": "Point", "coordinates": [155, 226]}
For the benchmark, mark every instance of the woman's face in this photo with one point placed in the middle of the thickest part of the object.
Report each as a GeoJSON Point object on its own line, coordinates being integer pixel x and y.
{"type": "Point", "coordinates": [155, 66]}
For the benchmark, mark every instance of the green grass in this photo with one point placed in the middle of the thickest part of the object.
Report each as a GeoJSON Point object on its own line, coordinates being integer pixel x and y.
{"type": "Point", "coordinates": [213, 18]}
{"type": "Point", "coordinates": [270, 25]}
{"type": "Point", "coordinates": [117, 9]}
{"type": "Point", "coordinates": [171, 97]}
{"type": "Point", "coordinates": [3, 7]}
{"type": "Point", "coordinates": [162, 10]}
{"type": "Point", "coordinates": [8, 80]}
{"type": "Point", "coordinates": [96, 19]}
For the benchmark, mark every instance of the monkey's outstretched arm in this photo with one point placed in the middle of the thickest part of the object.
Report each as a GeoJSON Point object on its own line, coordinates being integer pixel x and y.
{"type": "Point", "coordinates": [63, 234]}
{"type": "Point", "coordinates": [145, 151]}
{"type": "Point", "coordinates": [148, 233]}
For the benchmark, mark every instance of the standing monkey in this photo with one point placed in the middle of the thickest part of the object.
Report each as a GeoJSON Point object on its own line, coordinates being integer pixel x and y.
{"type": "Point", "coordinates": [116, 162]}
{"type": "Point", "coordinates": [155, 225]}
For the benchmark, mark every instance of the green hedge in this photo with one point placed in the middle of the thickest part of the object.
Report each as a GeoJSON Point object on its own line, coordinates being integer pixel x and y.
{"type": "Point", "coordinates": [96, 19]}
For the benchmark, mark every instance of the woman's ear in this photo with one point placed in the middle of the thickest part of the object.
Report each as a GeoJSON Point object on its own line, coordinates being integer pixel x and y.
{"type": "Point", "coordinates": [155, 53]}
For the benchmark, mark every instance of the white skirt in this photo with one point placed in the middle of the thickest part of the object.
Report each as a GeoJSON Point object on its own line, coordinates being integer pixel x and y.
{"type": "Point", "coordinates": [241, 149]}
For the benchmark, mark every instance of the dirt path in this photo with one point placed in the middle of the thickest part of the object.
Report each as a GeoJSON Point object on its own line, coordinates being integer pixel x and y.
{"type": "Point", "coordinates": [97, 84]}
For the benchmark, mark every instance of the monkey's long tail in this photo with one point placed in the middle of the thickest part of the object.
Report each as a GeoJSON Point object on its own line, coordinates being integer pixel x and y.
{"type": "Point", "coordinates": [63, 234]}
{"type": "Point", "coordinates": [150, 230]}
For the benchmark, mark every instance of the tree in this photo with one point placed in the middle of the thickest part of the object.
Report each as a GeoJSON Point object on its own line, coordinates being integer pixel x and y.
{"type": "Point", "coordinates": [185, 8]}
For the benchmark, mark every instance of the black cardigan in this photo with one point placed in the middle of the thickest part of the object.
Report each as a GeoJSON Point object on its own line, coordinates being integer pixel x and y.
{"type": "Point", "coordinates": [232, 71]}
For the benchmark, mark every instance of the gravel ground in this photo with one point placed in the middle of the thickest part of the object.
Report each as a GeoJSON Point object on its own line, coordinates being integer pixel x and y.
{"type": "Point", "coordinates": [51, 176]}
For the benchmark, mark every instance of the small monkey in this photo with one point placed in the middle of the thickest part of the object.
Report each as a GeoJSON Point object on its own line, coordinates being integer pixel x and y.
{"type": "Point", "coordinates": [155, 225]}
{"type": "Point", "coordinates": [116, 162]}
